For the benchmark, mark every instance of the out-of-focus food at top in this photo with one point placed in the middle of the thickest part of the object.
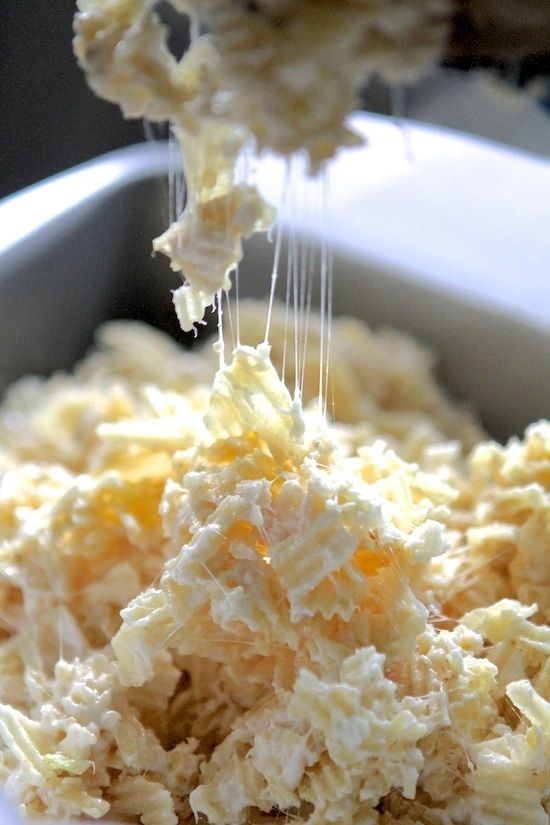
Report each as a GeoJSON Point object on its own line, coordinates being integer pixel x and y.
{"type": "Point", "coordinates": [282, 75]}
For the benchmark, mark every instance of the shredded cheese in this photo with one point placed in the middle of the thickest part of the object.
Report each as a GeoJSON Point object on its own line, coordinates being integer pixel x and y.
{"type": "Point", "coordinates": [214, 604]}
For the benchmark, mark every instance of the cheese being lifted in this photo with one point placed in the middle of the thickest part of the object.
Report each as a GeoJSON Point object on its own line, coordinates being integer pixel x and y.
{"type": "Point", "coordinates": [274, 74]}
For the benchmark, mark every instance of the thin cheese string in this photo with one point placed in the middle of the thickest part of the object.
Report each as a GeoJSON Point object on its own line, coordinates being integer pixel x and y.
{"type": "Point", "coordinates": [397, 103]}
{"type": "Point", "coordinates": [330, 376]}
{"type": "Point", "coordinates": [310, 268]}
{"type": "Point", "coordinates": [323, 302]}
{"type": "Point", "coordinates": [237, 305]}
{"type": "Point", "coordinates": [329, 297]}
{"type": "Point", "coordinates": [277, 255]}
{"type": "Point", "coordinates": [60, 634]}
{"type": "Point", "coordinates": [295, 260]}
{"type": "Point", "coordinates": [173, 186]}
{"type": "Point", "coordinates": [308, 273]}
{"type": "Point", "coordinates": [171, 178]}
{"type": "Point", "coordinates": [230, 316]}
{"type": "Point", "coordinates": [221, 344]}
{"type": "Point", "coordinates": [274, 278]}
{"type": "Point", "coordinates": [194, 26]}
{"type": "Point", "coordinates": [304, 272]}
{"type": "Point", "coordinates": [246, 175]}
{"type": "Point", "coordinates": [180, 190]}
{"type": "Point", "coordinates": [287, 305]}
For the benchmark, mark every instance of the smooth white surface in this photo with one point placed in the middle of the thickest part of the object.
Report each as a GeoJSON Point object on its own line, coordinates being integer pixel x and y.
{"type": "Point", "coordinates": [35, 208]}
{"type": "Point", "coordinates": [459, 212]}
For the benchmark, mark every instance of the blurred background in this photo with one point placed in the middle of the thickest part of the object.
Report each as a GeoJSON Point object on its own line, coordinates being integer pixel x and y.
{"type": "Point", "coordinates": [51, 121]}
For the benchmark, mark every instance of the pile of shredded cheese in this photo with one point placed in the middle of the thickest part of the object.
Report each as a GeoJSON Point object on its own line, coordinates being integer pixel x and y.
{"type": "Point", "coordinates": [216, 604]}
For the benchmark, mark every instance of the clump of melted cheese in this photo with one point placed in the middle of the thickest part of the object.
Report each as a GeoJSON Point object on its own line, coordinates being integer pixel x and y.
{"type": "Point", "coordinates": [214, 605]}
{"type": "Point", "coordinates": [278, 73]}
